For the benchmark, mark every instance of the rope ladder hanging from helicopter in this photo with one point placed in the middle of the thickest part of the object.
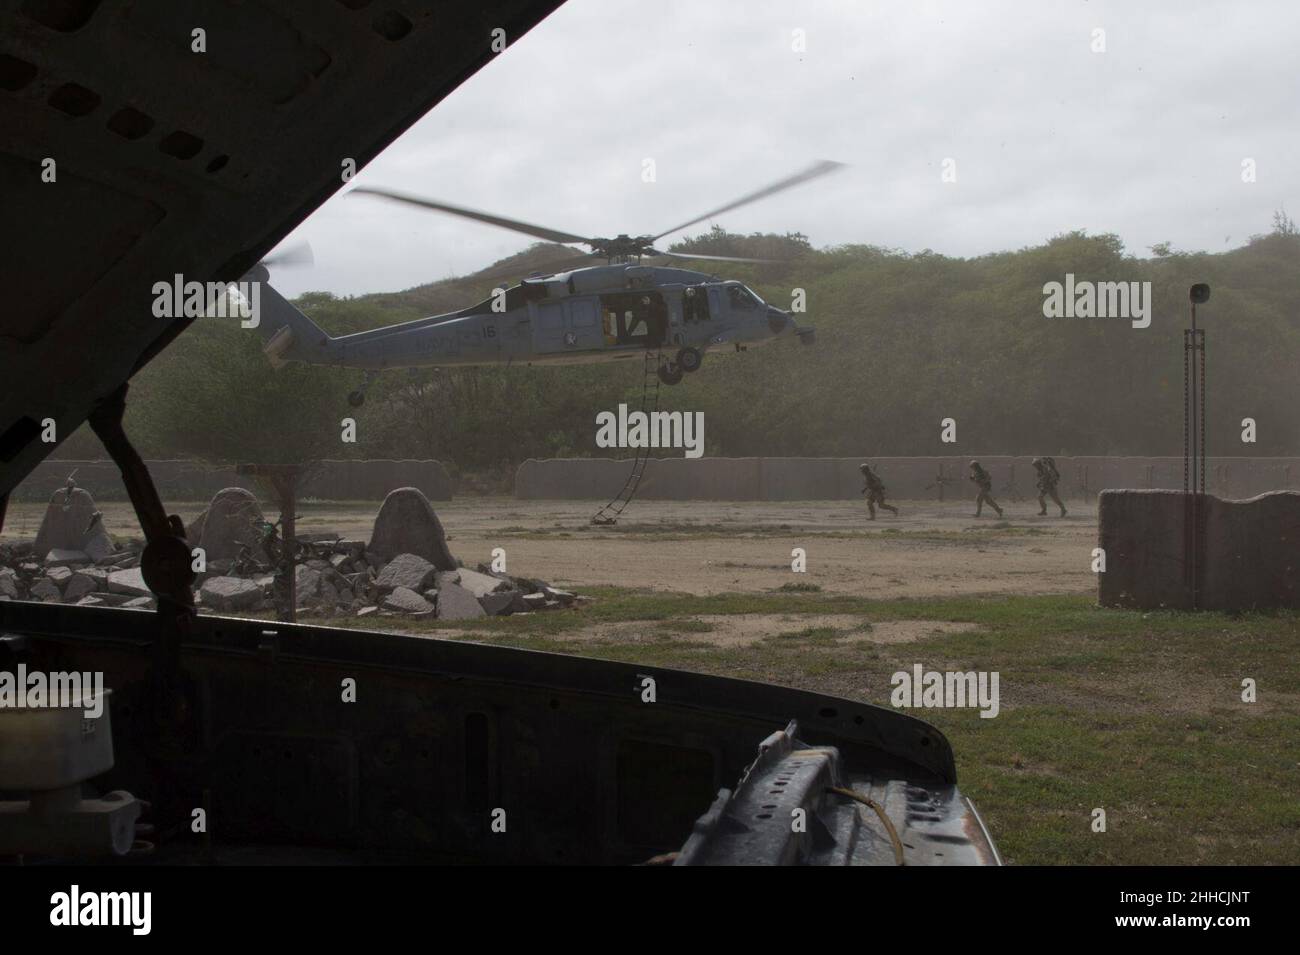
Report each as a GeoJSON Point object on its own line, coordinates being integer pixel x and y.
{"type": "Point", "coordinates": [611, 512]}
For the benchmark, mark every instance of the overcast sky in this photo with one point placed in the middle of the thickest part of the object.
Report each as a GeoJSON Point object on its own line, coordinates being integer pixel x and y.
{"type": "Point", "coordinates": [1146, 139]}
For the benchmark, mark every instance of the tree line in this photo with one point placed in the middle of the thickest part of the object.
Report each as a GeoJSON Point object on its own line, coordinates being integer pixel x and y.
{"type": "Point", "coordinates": [904, 340]}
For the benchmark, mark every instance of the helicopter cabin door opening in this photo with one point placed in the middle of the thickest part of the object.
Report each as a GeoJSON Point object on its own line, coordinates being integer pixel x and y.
{"type": "Point", "coordinates": [695, 304]}
{"type": "Point", "coordinates": [637, 319]}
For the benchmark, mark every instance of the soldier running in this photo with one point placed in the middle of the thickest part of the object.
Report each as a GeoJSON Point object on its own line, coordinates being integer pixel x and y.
{"type": "Point", "coordinates": [1048, 478]}
{"type": "Point", "coordinates": [985, 484]}
{"type": "Point", "coordinates": [874, 488]}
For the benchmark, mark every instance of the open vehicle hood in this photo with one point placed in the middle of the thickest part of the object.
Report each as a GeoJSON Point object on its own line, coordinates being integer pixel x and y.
{"type": "Point", "coordinates": [169, 161]}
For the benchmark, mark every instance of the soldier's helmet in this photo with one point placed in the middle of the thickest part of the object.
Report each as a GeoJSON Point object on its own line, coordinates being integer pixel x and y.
{"type": "Point", "coordinates": [1037, 461]}
{"type": "Point", "coordinates": [864, 468]}
{"type": "Point", "coordinates": [974, 464]}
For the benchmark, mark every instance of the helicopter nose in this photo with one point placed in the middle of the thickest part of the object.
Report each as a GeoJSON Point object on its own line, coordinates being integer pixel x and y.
{"type": "Point", "coordinates": [780, 322]}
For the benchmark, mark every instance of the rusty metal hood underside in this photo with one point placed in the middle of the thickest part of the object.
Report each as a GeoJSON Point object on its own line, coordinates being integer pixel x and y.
{"type": "Point", "coordinates": [169, 161]}
{"type": "Point", "coordinates": [379, 747]}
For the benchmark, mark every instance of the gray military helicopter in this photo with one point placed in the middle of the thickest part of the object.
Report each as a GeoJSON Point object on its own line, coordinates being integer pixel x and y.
{"type": "Point", "coordinates": [580, 313]}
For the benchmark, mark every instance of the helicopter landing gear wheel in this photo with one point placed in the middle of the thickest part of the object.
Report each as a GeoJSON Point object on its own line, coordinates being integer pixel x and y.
{"type": "Point", "coordinates": [670, 373]}
{"type": "Point", "coordinates": [689, 359]}
{"type": "Point", "coordinates": [357, 398]}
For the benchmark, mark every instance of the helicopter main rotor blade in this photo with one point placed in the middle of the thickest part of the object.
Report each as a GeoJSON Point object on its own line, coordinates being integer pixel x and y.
{"type": "Point", "coordinates": [718, 258]}
{"type": "Point", "coordinates": [297, 254]}
{"type": "Point", "coordinates": [540, 232]}
{"type": "Point", "coordinates": [817, 169]}
{"type": "Point", "coordinates": [549, 267]}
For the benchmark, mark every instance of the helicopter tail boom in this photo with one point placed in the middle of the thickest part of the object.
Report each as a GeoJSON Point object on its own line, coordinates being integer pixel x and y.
{"type": "Point", "coordinates": [289, 335]}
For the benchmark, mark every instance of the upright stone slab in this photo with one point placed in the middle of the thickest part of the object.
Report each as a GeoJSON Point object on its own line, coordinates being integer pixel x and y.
{"type": "Point", "coordinates": [407, 524]}
{"type": "Point", "coordinates": [227, 525]}
{"type": "Point", "coordinates": [72, 523]}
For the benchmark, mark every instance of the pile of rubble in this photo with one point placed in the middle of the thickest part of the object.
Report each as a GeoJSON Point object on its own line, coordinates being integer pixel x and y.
{"type": "Point", "coordinates": [73, 559]}
{"type": "Point", "coordinates": [65, 575]}
{"type": "Point", "coordinates": [355, 581]}
{"type": "Point", "coordinates": [404, 569]}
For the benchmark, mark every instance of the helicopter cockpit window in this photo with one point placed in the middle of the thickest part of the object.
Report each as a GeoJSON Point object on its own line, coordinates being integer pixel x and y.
{"type": "Point", "coordinates": [741, 298]}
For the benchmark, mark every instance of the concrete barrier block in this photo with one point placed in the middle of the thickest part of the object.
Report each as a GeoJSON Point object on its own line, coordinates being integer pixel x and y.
{"type": "Point", "coordinates": [1248, 558]}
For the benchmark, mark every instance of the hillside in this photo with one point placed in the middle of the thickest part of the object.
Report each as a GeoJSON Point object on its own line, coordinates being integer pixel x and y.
{"type": "Point", "coordinates": [904, 340]}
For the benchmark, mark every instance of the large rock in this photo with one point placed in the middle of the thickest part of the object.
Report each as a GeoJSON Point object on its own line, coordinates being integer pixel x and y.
{"type": "Point", "coordinates": [78, 586]}
{"type": "Point", "coordinates": [46, 590]}
{"type": "Point", "coordinates": [129, 582]}
{"type": "Point", "coordinates": [503, 602]}
{"type": "Point", "coordinates": [306, 583]}
{"type": "Point", "coordinates": [1248, 559]}
{"type": "Point", "coordinates": [407, 524]}
{"type": "Point", "coordinates": [113, 600]}
{"type": "Point", "coordinates": [97, 574]}
{"type": "Point", "coordinates": [405, 600]}
{"type": "Point", "coordinates": [227, 526]}
{"type": "Point", "coordinates": [230, 593]}
{"type": "Point", "coordinates": [98, 545]}
{"type": "Point", "coordinates": [60, 575]}
{"type": "Point", "coordinates": [72, 523]}
{"type": "Point", "coordinates": [406, 570]}
{"type": "Point", "coordinates": [457, 603]}
{"type": "Point", "coordinates": [480, 585]}
{"type": "Point", "coordinates": [63, 558]}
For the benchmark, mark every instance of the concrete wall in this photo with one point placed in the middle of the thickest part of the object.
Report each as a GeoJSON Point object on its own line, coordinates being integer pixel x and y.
{"type": "Point", "coordinates": [820, 479]}
{"type": "Point", "coordinates": [1249, 558]}
{"type": "Point", "coordinates": [190, 481]}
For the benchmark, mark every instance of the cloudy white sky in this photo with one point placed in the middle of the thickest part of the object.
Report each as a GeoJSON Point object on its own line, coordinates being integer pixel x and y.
{"type": "Point", "coordinates": [1145, 139]}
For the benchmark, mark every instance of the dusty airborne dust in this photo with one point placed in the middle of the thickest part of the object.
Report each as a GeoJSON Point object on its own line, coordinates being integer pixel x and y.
{"type": "Point", "coordinates": [706, 547]}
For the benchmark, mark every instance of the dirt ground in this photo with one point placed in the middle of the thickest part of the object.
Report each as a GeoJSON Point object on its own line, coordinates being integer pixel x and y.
{"type": "Point", "coordinates": [931, 549]}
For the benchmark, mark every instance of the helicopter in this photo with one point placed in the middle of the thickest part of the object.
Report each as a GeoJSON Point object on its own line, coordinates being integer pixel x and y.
{"type": "Point", "coordinates": [578, 313]}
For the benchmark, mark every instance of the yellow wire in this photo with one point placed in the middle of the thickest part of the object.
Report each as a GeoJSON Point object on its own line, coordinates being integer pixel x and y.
{"type": "Point", "coordinates": [872, 804]}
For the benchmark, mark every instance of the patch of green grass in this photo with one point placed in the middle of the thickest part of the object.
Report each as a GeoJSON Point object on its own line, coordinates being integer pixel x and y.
{"type": "Point", "coordinates": [1139, 714]}
{"type": "Point", "coordinates": [810, 635]}
{"type": "Point", "coordinates": [799, 588]}
{"type": "Point", "coordinates": [684, 626]}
